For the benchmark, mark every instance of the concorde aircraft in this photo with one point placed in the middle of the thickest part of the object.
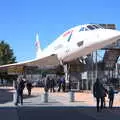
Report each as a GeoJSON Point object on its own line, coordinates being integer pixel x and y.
{"type": "Point", "coordinates": [72, 44]}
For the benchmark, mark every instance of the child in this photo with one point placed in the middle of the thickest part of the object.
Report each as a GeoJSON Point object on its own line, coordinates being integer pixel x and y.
{"type": "Point", "coordinates": [111, 96]}
{"type": "Point", "coordinates": [105, 95]}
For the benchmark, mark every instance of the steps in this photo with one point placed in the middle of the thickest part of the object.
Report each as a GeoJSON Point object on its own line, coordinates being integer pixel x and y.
{"type": "Point", "coordinates": [111, 57]}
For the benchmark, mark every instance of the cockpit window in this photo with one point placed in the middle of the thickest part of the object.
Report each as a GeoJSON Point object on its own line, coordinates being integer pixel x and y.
{"type": "Point", "coordinates": [90, 27]}
{"type": "Point", "coordinates": [95, 26]}
{"type": "Point", "coordinates": [86, 29]}
{"type": "Point", "coordinates": [81, 29]}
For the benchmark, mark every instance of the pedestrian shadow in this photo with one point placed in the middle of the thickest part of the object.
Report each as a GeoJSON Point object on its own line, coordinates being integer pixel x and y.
{"type": "Point", "coordinates": [5, 96]}
{"type": "Point", "coordinates": [58, 113]}
{"type": "Point", "coordinates": [25, 96]}
{"type": "Point", "coordinates": [63, 112]}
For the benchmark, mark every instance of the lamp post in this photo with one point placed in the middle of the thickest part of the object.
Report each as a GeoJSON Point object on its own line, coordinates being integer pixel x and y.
{"type": "Point", "coordinates": [92, 73]}
{"type": "Point", "coordinates": [96, 67]}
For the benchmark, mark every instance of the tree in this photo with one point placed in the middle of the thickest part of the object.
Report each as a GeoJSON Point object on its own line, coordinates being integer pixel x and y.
{"type": "Point", "coordinates": [6, 57]}
{"type": "Point", "coordinates": [6, 54]}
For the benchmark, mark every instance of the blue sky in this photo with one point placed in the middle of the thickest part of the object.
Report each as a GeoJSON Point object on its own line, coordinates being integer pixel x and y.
{"type": "Point", "coordinates": [21, 19]}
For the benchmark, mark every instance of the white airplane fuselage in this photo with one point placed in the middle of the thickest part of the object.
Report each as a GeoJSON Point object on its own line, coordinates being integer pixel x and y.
{"type": "Point", "coordinates": [75, 42]}
{"type": "Point", "coordinates": [72, 44]}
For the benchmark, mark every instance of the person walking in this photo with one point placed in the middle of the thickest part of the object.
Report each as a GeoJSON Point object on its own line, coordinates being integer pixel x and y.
{"type": "Point", "coordinates": [52, 85]}
{"type": "Point", "coordinates": [111, 96]}
{"type": "Point", "coordinates": [47, 84]}
{"type": "Point", "coordinates": [59, 84]}
{"type": "Point", "coordinates": [20, 85]}
{"type": "Point", "coordinates": [29, 87]}
{"type": "Point", "coordinates": [98, 92]}
{"type": "Point", "coordinates": [63, 84]}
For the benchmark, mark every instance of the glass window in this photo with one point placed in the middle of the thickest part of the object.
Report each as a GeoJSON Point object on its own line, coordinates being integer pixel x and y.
{"type": "Point", "coordinates": [90, 27]}
{"type": "Point", "coordinates": [80, 43]}
{"type": "Point", "coordinates": [86, 29]}
{"type": "Point", "coordinates": [99, 26]}
{"type": "Point", "coordinates": [95, 26]}
{"type": "Point", "coordinates": [81, 29]}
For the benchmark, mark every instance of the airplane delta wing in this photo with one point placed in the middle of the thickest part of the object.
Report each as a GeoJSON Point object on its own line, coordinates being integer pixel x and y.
{"type": "Point", "coordinates": [49, 61]}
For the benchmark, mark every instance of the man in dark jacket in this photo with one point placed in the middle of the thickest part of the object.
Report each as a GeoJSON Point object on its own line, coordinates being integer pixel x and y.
{"type": "Point", "coordinates": [52, 85]}
{"type": "Point", "coordinates": [20, 85]}
{"type": "Point", "coordinates": [47, 84]}
{"type": "Point", "coordinates": [59, 84]}
{"type": "Point", "coordinates": [98, 92]}
{"type": "Point", "coordinates": [29, 87]}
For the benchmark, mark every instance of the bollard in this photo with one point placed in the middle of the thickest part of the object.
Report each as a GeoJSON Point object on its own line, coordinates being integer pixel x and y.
{"type": "Point", "coordinates": [14, 93]}
{"type": "Point", "coordinates": [45, 97]}
{"type": "Point", "coordinates": [14, 96]}
{"type": "Point", "coordinates": [71, 96]}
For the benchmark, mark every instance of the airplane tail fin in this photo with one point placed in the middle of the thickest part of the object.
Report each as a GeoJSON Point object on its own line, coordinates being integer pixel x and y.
{"type": "Point", "coordinates": [38, 48]}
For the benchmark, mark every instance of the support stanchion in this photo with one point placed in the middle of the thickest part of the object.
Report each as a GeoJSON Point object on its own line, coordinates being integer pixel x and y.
{"type": "Point", "coordinates": [14, 96]}
{"type": "Point", "coordinates": [14, 93]}
{"type": "Point", "coordinates": [44, 97]}
{"type": "Point", "coordinates": [71, 96]}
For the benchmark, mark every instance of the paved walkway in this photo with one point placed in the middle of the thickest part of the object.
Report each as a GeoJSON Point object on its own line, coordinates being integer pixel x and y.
{"type": "Point", "coordinates": [58, 107]}
{"type": "Point", "coordinates": [81, 98]}
{"type": "Point", "coordinates": [54, 99]}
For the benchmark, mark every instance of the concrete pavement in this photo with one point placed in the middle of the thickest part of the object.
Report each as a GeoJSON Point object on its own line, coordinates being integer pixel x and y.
{"type": "Point", "coordinates": [58, 107]}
